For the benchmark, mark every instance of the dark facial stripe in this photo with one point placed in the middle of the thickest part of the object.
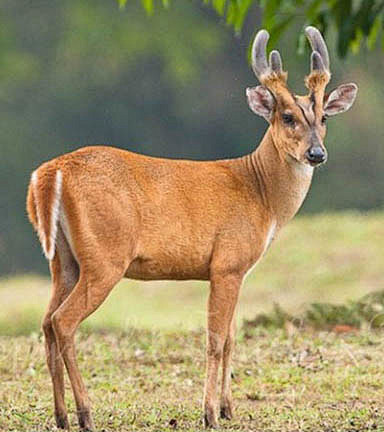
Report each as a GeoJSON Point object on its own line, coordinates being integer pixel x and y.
{"type": "Point", "coordinates": [313, 99]}
{"type": "Point", "coordinates": [306, 119]}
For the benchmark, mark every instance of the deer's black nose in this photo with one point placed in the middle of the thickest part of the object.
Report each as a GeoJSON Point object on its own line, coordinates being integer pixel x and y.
{"type": "Point", "coordinates": [316, 154]}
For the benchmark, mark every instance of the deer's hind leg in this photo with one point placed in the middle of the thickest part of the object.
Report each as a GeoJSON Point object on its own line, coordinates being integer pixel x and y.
{"type": "Point", "coordinates": [94, 284]}
{"type": "Point", "coordinates": [65, 274]}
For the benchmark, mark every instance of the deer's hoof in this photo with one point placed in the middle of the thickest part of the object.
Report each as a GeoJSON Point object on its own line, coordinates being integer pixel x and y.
{"type": "Point", "coordinates": [226, 410]}
{"type": "Point", "coordinates": [62, 421]}
{"type": "Point", "coordinates": [85, 420]}
{"type": "Point", "coordinates": [210, 418]}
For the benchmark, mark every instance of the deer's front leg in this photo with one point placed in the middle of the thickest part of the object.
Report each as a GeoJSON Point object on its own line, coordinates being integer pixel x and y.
{"type": "Point", "coordinates": [221, 306]}
{"type": "Point", "coordinates": [226, 409]}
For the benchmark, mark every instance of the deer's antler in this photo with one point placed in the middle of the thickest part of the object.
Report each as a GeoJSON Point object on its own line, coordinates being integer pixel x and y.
{"type": "Point", "coordinates": [320, 73]}
{"type": "Point", "coordinates": [269, 73]}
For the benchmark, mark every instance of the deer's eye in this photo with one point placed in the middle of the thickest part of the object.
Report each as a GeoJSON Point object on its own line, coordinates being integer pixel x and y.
{"type": "Point", "coordinates": [288, 119]}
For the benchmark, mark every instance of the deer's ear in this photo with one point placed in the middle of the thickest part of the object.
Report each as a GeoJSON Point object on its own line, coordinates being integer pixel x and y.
{"type": "Point", "coordinates": [340, 99]}
{"type": "Point", "coordinates": [261, 101]}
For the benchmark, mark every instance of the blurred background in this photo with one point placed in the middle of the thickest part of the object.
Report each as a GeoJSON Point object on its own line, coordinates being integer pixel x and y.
{"type": "Point", "coordinates": [79, 73]}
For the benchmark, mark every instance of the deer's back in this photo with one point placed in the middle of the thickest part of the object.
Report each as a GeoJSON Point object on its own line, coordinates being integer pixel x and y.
{"type": "Point", "coordinates": [167, 214]}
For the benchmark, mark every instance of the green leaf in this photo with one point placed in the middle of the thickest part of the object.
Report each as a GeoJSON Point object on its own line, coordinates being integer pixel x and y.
{"type": "Point", "coordinates": [365, 16]}
{"type": "Point", "coordinates": [278, 30]}
{"type": "Point", "coordinates": [275, 33]}
{"type": "Point", "coordinates": [313, 10]}
{"type": "Point", "coordinates": [242, 11]}
{"type": "Point", "coordinates": [270, 12]}
{"type": "Point", "coordinates": [341, 11]}
{"type": "Point", "coordinates": [354, 19]}
{"type": "Point", "coordinates": [347, 33]}
{"type": "Point", "coordinates": [355, 44]}
{"type": "Point", "coordinates": [373, 34]}
{"type": "Point", "coordinates": [219, 6]}
{"type": "Point", "coordinates": [232, 13]}
{"type": "Point", "coordinates": [148, 6]}
{"type": "Point", "coordinates": [122, 3]}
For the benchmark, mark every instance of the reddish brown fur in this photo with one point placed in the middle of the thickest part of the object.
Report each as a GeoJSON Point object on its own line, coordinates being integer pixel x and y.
{"type": "Point", "coordinates": [275, 82]}
{"type": "Point", "coordinates": [31, 207]}
{"type": "Point", "coordinates": [141, 217]}
{"type": "Point", "coordinates": [317, 80]}
{"type": "Point", "coordinates": [124, 214]}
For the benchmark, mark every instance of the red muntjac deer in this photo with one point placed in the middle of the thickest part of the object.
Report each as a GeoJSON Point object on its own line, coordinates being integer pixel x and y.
{"type": "Point", "coordinates": [103, 214]}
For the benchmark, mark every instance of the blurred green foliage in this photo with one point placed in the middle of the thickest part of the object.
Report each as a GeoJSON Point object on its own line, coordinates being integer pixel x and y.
{"type": "Point", "coordinates": [366, 312]}
{"type": "Point", "coordinates": [172, 84]}
{"type": "Point", "coordinates": [355, 20]}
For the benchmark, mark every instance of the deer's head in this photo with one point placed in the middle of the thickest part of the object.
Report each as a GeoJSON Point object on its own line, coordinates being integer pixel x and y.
{"type": "Point", "coordinates": [298, 123]}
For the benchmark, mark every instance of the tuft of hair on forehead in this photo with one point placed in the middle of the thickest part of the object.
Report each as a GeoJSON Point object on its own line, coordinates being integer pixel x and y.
{"type": "Point", "coordinates": [275, 81]}
{"type": "Point", "coordinates": [274, 77]}
{"type": "Point", "coordinates": [317, 80]}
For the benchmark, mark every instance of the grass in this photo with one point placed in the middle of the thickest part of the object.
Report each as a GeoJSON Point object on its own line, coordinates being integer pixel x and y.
{"type": "Point", "coordinates": [324, 258]}
{"type": "Point", "coordinates": [152, 381]}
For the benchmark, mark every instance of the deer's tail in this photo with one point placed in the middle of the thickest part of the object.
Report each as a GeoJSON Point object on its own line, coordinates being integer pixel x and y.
{"type": "Point", "coordinates": [43, 206]}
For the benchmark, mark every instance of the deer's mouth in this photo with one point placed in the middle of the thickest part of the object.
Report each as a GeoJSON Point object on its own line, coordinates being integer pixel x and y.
{"type": "Point", "coordinates": [314, 164]}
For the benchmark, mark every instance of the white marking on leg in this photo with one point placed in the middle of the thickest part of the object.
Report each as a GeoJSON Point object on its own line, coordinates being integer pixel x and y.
{"type": "Point", "coordinates": [268, 241]}
{"type": "Point", "coordinates": [270, 235]}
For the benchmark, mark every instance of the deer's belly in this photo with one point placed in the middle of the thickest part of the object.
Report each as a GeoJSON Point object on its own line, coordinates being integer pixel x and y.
{"type": "Point", "coordinates": [168, 264]}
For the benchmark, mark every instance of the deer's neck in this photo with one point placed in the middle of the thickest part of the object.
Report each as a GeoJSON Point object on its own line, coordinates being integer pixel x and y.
{"type": "Point", "coordinates": [281, 182]}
